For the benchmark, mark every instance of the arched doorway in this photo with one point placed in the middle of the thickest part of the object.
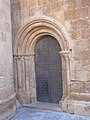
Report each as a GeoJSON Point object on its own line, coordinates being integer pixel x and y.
{"type": "Point", "coordinates": [24, 58]}
{"type": "Point", "coordinates": [48, 70]}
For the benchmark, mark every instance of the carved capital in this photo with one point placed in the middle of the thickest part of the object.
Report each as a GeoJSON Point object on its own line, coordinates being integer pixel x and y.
{"type": "Point", "coordinates": [19, 56]}
{"type": "Point", "coordinates": [66, 54]}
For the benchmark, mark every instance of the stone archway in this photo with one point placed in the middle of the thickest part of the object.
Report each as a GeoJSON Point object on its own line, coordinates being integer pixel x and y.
{"type": "Point", "coordinates": [24, 65]}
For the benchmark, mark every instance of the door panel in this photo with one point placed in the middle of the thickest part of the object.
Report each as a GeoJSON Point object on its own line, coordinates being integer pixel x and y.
{"type": "Point", "coordinates": [48, 70]}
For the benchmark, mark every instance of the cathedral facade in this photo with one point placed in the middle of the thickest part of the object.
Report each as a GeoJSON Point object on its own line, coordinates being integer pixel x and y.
{"type": "Point", "coordinates": [45, 54]}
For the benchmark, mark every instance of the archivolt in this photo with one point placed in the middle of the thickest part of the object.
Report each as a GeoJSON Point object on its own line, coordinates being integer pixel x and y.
{"type": "Point", "coordinates": [31, 32]}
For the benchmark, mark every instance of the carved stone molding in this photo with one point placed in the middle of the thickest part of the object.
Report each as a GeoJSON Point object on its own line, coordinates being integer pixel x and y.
{"type": "Point", "coordinates": [23, 55]}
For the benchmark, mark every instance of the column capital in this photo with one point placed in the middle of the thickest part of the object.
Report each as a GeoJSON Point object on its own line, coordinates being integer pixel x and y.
{"type": "Point", "coordinates": [66, 54]}
{"type": "Point", "coordinates": [23, 55]}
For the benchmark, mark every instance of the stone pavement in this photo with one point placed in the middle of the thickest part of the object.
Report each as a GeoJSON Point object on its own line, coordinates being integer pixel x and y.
{"type": "Point", "coordinates": [27, 113]}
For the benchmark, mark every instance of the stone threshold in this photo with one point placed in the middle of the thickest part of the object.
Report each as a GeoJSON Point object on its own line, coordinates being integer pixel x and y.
{"type": "Point", "coordinates": [44, 105]}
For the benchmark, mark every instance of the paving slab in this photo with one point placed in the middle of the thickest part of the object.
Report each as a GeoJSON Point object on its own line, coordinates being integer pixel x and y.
{"type": "Point", "coordinates": [26, 113]}
{"type": "Point", "coordinates": [44, 105]}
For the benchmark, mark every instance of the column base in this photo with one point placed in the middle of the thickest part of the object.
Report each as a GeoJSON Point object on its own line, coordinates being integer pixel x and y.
{"type": "Point", "coordinates": [75, 107]}
{"type": "Point", "coordinates": [25, 98]}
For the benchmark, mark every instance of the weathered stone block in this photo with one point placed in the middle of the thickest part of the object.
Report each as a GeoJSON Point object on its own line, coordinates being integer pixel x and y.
{"type": "Point", "coordinates": [70, 14]}
{"type": "Point", "coordinates": [87, 2]}
{"type": "Point", "coordinates": [71, 108]}
{"type": "Point", "coordinates": [79, 109]}
{"type": "Point", "coordinates": [16, 5]}
{"type": "Point", "coordinates": [77, 87]}
{"type": "Point", "coordinates": [55, 6]}
{"type": "Point", "coordinates": [79, 23]}
{"type": "Point", "coordinates": [82, 13]}
{"type": "Point", "coordinates": [69, 4]}
{"type": "Point", "coordinates": [83, 3]}
{"type": "Point", "coordinates": [87, 87]}
{"type": "Point", "coordinates": [81, 55]}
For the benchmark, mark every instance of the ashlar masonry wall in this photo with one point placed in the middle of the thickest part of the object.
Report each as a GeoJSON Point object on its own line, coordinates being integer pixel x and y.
{"type": "Point", "coordinates": [7, 94]}
{"type": "Point", "coordinates": [74, 16]}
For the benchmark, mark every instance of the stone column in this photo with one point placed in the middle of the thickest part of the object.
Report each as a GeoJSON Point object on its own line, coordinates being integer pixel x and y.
{"type": "Point", "coordinates": [7, 94]}
{"type": "Point", "coordinates": [65, 55]}
{"type": "Point", "coordinates": [24, 73]}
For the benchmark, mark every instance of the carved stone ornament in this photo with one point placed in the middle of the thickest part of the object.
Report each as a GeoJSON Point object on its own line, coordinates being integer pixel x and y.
{"type": "Point", "coordinates": [66, 54]}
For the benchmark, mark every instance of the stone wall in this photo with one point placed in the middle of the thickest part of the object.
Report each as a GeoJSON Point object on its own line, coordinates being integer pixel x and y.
{"type": "Point", "coordinates": [74, 15]}
{"type": "Point", "coordinates": [7, 94]}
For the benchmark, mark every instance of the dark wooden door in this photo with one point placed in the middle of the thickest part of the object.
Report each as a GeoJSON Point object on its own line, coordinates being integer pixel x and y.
{"type": "Point", "coordinates": [48, 70]}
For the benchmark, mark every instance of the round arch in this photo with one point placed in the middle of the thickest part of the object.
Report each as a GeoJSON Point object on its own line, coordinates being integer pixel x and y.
{"type": "Point", "coordinates": [36, 28]}
{"type": "Point", "coordinates": [24, 46]}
